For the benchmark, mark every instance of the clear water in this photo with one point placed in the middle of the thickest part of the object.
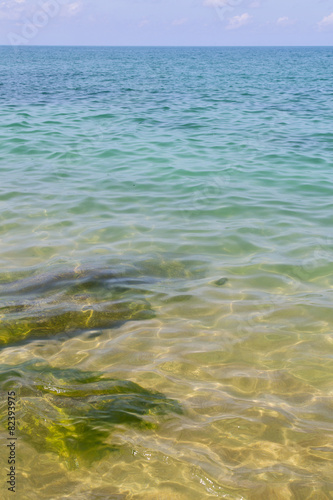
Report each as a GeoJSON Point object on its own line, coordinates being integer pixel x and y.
{"type": "Point", "coordinates": [166, 271]}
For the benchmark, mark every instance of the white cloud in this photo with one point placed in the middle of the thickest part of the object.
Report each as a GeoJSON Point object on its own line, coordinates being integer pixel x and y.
{"type": "Point", "coordinates": [144, 23]}
{"type": "Point", "coordinates": [72, 9]}
{"type": "Point", "coordinates": [179, 22]}
{"type": "Point", "coordinates": [284, 21]}
{"type": "Point", "coordinates": [326, 22]}
{"type": "Point", "coordinates": [216, 3]}
{"type": "Point", "coordinates": [11, 9]}
{"type": "Point", "coordinates": [15, 10]}
{"type": "Point", "coordinates": [231, 3]}
{"type": "Point", "coordinates": [239, 21]}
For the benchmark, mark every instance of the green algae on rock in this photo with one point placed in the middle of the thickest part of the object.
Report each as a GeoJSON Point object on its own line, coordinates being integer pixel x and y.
{"type": "Point", "coordinates": [72, 413]}
{"type": "Point", "coordinates": [71, 301]}
{"type": "Point", "coordinates": [41, 323]}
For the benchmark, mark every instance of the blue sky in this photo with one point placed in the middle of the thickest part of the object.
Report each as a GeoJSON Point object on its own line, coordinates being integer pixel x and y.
{"type": "Point", "coordinates": [166, 22]}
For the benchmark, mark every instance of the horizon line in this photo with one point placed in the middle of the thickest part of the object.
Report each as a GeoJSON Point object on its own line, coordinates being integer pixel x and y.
{"type": "Point", "coordinates": [161, 46]}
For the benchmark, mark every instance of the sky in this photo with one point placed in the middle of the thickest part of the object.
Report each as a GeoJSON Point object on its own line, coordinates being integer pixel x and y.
{"type": "Point", "coordinates": [166, 22]}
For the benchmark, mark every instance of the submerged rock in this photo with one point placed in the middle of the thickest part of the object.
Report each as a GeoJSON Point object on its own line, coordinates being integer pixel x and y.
{"type": "Point", "coordinates": [221, 281]}
{"type": "Point", "coordinates": [72, 413]}
{"type": "Point", "coordinates": [69, 301]}
{"type": "Point", "coordinates": [37, 322]}
{"type": "Point", "coordinates": [72, 301]}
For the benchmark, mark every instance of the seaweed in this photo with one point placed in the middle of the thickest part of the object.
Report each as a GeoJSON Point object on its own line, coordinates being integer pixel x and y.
{"type": "Point", "coordinates": [72, 413]}
{"type": "Point", "coordinates": [42, 323]}
{"type": "Point", "coordinates": [69, 302]}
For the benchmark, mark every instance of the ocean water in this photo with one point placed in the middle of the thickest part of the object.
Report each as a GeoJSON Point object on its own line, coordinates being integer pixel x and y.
{"type": "Point", "coordinates": [166, 272]}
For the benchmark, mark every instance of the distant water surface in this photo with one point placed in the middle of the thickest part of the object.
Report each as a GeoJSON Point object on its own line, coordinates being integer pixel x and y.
{"type": "Point", "coordinates": [166, 271]}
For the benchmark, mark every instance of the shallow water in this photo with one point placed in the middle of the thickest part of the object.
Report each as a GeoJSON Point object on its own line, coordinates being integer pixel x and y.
{"type": "Point", "coordinates": [166, 271]}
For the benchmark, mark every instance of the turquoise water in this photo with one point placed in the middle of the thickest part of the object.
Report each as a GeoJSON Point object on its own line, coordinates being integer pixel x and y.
{"type": "Point", "coordinates": [166, 271]}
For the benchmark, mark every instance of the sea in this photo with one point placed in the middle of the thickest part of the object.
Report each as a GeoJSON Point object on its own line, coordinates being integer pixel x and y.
{"type": "Point", "coordinates": [166, 265]}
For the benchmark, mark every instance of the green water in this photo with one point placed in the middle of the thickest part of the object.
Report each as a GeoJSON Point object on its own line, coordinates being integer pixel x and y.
{"type": "Point", "coordinates": [166, 272]}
